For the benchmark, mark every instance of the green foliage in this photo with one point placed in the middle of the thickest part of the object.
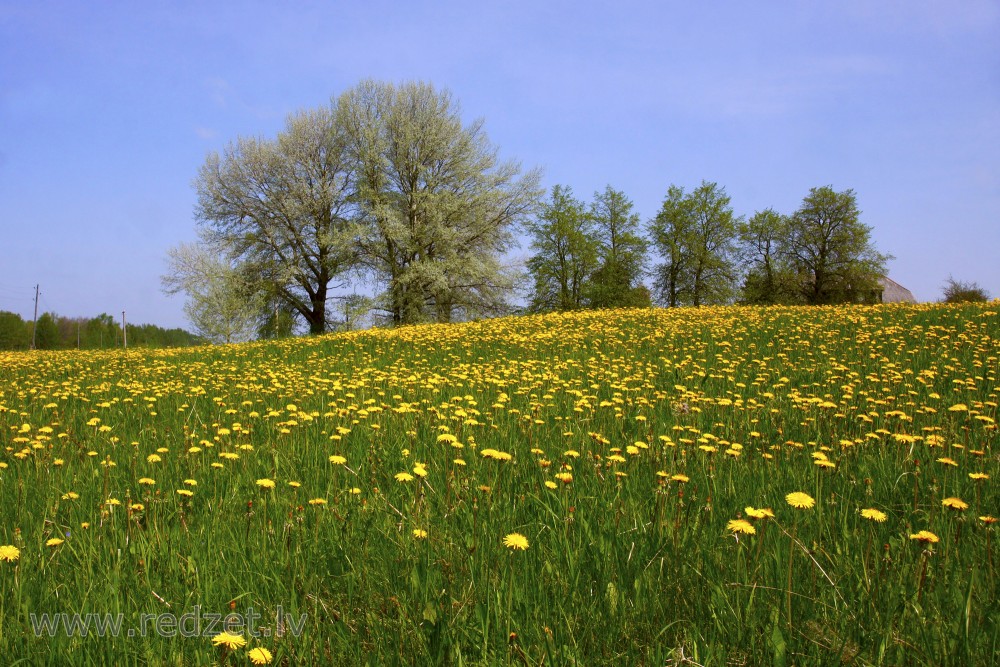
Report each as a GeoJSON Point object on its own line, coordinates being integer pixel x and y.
{"type": "Point", "coordinates": [956, 291]}
{"type": "Point", "coordinates": [57, 332]}
{"type": "Point", "coordinates": [695, 234]}
{"type": "Point", "coordinates": [617, 280]}
{"type": "Point", "coordinates": [831, 250]}
{"type": "Point", "coordinates": [565, 253]}
{"type": "Point", "coordinates": [769, 277]}
{"type": "Point", "coordinates": [14, 334]}
{"type": "Point", "coordinates": [46, 332]}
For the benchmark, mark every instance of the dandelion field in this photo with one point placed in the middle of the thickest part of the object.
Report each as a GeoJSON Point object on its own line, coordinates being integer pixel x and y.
{"type": "Point", "coordinates": [714, 486]}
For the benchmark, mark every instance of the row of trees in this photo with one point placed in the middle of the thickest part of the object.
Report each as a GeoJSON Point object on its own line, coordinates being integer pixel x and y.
{"type": "Point", "coordinates": [598, 256]}
{"type": "Point", "coordinates": [386, 185]}
{"type": "Point", "coordinates": [56, 332]}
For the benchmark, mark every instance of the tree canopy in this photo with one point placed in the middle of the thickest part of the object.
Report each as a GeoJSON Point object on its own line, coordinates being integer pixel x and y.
{"type": "Point", "coordinates": [695, 234]}
{"type": "Point", "coordinates": [436, 207]}
{"type": "Point", "coordinates": [385, 183]}
{"type": "Point", "coordinates": [831, 249]}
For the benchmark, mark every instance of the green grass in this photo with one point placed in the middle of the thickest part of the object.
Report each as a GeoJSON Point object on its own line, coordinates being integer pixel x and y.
{"type": "Point", "coordinates": [624, 565]}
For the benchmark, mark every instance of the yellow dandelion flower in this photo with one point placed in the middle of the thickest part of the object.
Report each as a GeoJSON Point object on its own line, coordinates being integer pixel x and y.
{"type": "Point", "coordinates": [9, 553]}
{"type": "Point", "coordinates": [955, 503]}
{"type": "Point", "coordinates": [680, 478]}
{"type": "Point", "coordinates": [741, 526]}
{"type": "Point", "coordinates": [549, 484]}
{"type": "Point", "coordinates": [874, 515]}
{"type": "Point", "coordinates": [187, 493]}
{"type": "Point", "coordinates": [337, 459]}
{"type": "Point", "coordinates": [800, 500]}
{"type": "Point", "coordinates": [229, 640]}
{"type": "Point", "coordinates": [419, 533]}
{"type": "Point", "coordinates": [54, 541]}
{"type": "Point", "coordinates": [978, 476]}
{"type": "Point", "coordinates": [988, 519]}
{"type": "Point", "coordinates": [404, 477]}
{"type": "Point", "coordinates": [147, 481]}
{"type": "Point", "coordinates": [762, 513]}
{"type": "Point", "coordinates": [947, 461]}
{"type": "Point", "coordinates": [516, 541]}
{"type": "Point", "coordinates": [260, 656]}
{"type": "Point", "coordinates": [265, 483]}
{"type": "Point", "coordinates": [925, 536]}
{"type": "Point", "coordinates": [318, 501]}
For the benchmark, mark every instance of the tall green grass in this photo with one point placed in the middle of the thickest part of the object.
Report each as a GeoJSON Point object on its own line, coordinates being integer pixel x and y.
{"type": "Point", "coordinates": [625, 565]}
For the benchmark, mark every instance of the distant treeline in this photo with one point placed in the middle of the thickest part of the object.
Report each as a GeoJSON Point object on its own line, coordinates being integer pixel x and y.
{"type": "Point", "coordinates": [55, 332]}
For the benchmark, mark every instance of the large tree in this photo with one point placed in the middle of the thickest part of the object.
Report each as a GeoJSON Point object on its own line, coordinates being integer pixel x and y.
{"type": "Point", "coordinates": [436, 206]}
{"type": "Point", "coordinates": [695, 234]}
{"type": "Point", "coordinates": [281, 210]}
{"type": "Point", "coordinates": [621, 250]}
{"type": "Point", "coordinates": [565, 252]}
{"type": "Point", "coordinates": [831, 250]}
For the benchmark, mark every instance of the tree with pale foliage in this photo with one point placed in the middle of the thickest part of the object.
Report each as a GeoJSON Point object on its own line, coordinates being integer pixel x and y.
{"type": "Point", "coordinates": [281, 212]}
{"type": "Point", "coordinates": [223, 305]}
{"type": "Point", "coordinates": [435, 206]}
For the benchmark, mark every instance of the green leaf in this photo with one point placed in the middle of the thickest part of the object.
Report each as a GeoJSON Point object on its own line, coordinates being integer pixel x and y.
{"type": "Point", "coordinates": [430, 613]}
{"type": "Point", "coordinates": [777, 643]}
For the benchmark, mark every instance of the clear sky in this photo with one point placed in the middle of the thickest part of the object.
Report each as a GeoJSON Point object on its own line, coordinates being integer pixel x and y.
{"type": "Point", "coordinates": [108, 109]}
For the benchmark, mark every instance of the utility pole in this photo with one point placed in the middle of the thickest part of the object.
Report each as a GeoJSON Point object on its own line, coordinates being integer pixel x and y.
{"type": "Point", "coordinates": [34, 322]}
{"type": "Point", "coordinates": [124, 333]}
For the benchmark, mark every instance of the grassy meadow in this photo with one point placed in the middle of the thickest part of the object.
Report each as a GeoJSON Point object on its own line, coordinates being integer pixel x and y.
{"type": "Point", "coordinates": [714, 486]}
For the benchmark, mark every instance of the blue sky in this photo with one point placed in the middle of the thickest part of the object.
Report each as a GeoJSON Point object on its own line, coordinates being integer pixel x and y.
{"type": "Point", "coordinates": [108, 109]}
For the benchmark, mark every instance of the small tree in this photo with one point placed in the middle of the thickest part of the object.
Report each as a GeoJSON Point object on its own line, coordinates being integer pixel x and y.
{"type": "Point", "coordinates": [621, 252]}
{"type": "Point", "coordinates": [13, 333]}
{"type": "Point", "coordinates": [46, 332]}
{"type": "Point", "coordinates": [565, 252]}
{"type": "Point", "coordinates": [695, 234]}
{"type": "Point", "coordinates": [223, 304]}
{"type": "Point", "coordinates": [768, 276]}
{"type": "Point", "coordinates": [956, 291]}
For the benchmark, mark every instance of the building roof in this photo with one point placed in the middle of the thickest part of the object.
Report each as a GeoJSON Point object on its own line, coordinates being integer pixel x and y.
{"type": "Point", "coordinates": [893, 292]}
